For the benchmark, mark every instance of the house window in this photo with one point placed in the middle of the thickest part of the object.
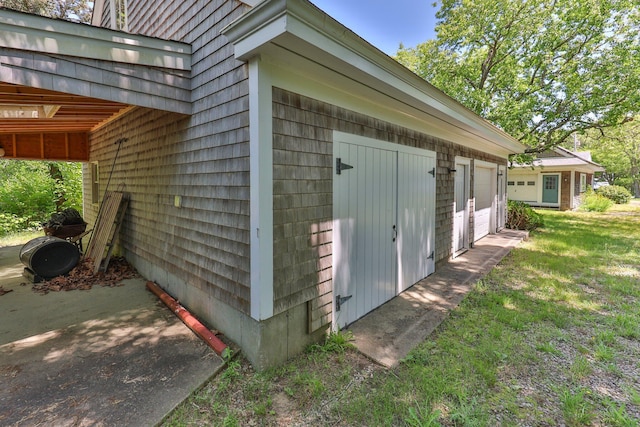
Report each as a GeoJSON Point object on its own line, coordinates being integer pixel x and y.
{"type": "Point", "coordinates": [551, 182]}
{"type": "Point", "coordinates": [520, 182]}
{"type": "Point", "coordinates": [95, 183]}
{"type": "Point", "coordinates": [531, 183]}
{"type": "Point", "coordinates": [583, 182]}
{"type": "Point", "coordinates": [511, 183]}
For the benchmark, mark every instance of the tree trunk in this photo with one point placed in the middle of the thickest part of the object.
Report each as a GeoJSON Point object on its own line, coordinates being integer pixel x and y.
{"type": "Point", "coordinates": [56, 175]}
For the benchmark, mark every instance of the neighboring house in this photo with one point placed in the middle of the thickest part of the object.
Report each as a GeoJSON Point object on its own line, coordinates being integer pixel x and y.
{"type": "Point", "coordinates": [285, 176]}
{"type": "Point", "coordinates": [556, 179]}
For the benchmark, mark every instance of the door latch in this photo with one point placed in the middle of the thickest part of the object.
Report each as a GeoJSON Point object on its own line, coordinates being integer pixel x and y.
{"type": "Point", "coordinates": [341, 300]}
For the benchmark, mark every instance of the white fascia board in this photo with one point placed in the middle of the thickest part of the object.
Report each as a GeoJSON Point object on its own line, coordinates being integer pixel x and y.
{"type": "Point", "coordinates": [300, 27]}
{"type": "Point", "coordinates": [251, 3]}
{"type": "Point", "coordinates": [28, 32]}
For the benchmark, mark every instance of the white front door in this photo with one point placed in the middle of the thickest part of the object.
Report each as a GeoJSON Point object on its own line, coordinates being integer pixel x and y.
{"type": "Point", "coordinates": [461, 209]}
{"type": "Point", "coordinates": [484, 193]}
{"type": "Point", "coordinates": [384, 222]}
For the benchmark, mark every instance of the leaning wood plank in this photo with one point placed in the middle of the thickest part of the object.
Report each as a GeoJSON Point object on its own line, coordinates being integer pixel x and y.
{"type": "Point", "coordinates": [101, 228]}
{"type": "Point", "coordinates": [104, 228]}
{"type": "Point", "coordinates": [114, 234]}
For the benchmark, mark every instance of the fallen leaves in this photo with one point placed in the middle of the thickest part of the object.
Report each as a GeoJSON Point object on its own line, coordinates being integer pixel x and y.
{"type": "Point", "coordinates": [83, 278]}
{"type": "Point", "coordinates": [4, 291]}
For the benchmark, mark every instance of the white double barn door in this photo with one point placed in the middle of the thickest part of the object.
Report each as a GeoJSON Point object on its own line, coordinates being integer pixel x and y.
{"type": "Point", "coordinates": [384, 222]}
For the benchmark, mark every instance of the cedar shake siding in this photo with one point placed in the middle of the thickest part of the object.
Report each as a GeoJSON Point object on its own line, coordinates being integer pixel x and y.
{"type": "Point", "coordinates": [204, 242]}
{"type": "Point", "coordinates": [303, 170]}
{"type": "Point", "coordinates": [202, 159]}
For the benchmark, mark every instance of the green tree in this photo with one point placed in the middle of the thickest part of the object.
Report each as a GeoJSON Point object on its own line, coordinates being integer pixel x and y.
{"type": "Point", "coordinates": [540, 69]}
{"type": "Point", "coordinates": [29, 193]}
{"type": "Point", "coordinates": [74, 10]}
{"type": "Point", "coordinates": [618, 150]}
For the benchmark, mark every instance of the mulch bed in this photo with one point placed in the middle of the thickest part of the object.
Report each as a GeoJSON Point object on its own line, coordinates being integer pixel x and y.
{"type": "Point", "coordinates": [83, 278]}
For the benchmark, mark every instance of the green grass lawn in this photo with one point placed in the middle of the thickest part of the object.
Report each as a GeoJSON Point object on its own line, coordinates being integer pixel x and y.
{"type": "Point", "coordinates": [550, 337]}
{"type": "Point", "coordinates": [19, 239]}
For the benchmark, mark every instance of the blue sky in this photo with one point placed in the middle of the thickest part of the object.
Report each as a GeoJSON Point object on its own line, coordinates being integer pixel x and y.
{"type": "Point", "coordinates": [385, 23]}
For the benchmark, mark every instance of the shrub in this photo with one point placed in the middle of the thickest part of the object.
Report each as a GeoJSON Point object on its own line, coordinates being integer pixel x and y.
{"type": "Point", "coordinates": [29, 192]}
{"type": "Point", "coordinates": [594, 202]}
{"type": "Point", "coordinates": [11, 223]}
{"type": "Point", "coordinates": [615, 193]}
{"type": "Point", "coordinates": [520, 216]}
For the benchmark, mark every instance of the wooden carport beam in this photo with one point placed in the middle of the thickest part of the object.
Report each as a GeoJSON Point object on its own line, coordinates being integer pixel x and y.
{"type": "Point", "coordinates": [64, 146]}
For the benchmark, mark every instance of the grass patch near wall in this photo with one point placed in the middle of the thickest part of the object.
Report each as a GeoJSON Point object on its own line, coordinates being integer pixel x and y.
{"type": "Point", "coordinates": [550, 337]}
{"type": "Point", "coordinates": [19, 239]}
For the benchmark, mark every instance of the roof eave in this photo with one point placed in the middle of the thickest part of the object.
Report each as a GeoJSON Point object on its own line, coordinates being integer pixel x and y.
{"type": "Point", "coordinates": [294, 23]}
{"type": "Point", "coordinates": [34, 33]}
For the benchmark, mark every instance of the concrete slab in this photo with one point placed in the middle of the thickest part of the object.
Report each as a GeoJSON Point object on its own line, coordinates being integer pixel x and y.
{"type": "Point", "coordinates": [102, 357]}
{"type": "Point", "coordinates": [388, 333]}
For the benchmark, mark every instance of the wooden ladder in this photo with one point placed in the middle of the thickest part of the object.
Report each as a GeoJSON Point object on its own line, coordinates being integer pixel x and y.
{"type": "Point", "coordinates": [106, 230]}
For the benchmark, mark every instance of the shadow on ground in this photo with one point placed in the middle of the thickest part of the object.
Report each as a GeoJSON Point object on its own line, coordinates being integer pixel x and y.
{"type": "Point", "coordinates": [101, 357]}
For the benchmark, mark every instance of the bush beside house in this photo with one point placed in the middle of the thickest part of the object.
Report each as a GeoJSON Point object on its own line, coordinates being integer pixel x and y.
{"type": "Point", "coordinates": [615, 193]}
{"type": "Point", "coordinates": [520, 216]}
{"type": "Point", "coordinates": [594, 202]}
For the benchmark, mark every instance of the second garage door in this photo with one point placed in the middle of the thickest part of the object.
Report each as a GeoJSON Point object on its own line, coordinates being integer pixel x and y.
{"type": "Point", "coordinates": [484, 193]}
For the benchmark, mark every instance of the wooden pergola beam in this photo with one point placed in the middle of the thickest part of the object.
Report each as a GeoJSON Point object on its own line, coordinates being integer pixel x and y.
{"type": "Point", "coordinates": [64, 146]}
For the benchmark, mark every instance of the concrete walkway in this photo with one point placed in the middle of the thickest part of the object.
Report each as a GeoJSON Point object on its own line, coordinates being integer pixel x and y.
{"type": "Point", "coordinates": [388, 333]}
{"type": "Point", "coordinates": [102, 357]}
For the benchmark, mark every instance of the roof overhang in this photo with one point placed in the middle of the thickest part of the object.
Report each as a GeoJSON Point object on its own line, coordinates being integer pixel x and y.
{"type": "Point", "coordinates": [565, 163]}
{"type": "Point", "coordinates": [288, 28]}
{"type": "Point", "coordinates": [34, 33]}
{"type": "Point", "coordinates": [564, 160]}
{"type": "Point", "coordinates": [63, 78]}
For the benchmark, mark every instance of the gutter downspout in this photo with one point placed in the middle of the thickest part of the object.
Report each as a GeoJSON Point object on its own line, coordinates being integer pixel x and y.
{"type": "Point", "coordinates": [194, 324]}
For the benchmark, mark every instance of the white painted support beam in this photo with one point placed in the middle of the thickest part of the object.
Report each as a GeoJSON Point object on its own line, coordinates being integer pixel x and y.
{"type": "Point", "coordinates": [261, 166]}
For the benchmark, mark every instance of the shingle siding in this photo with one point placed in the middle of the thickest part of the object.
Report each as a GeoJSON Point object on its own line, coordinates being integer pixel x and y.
{"type": "Point", "coordinates": [203, 159]}
{"type": "Point", "coordinates": [105, 80]}
{"type": "Point", "coordinates": [303, 200]}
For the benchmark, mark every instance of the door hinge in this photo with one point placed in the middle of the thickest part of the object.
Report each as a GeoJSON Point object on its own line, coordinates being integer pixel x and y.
{"type": "Point", "coordinates": [341, 166]}
{"type": "Point", "coordinates": [341, 300]}
{"type": "Point", "coordinates": [432, 256]}
{"type": "Point", "coordinates": [432, 172]}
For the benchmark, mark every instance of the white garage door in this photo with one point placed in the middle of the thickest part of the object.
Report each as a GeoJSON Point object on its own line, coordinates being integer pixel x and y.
{"type": "Point", "coordinates": [384, 222]}
{"type": "Point", "coordinates": [484, 191]}
{"type": "Point", "coordinates": [523, 188]}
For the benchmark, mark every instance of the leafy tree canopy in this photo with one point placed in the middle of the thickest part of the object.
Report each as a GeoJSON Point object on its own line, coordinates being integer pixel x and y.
{"type": "Point", "coordinates": [73, 10]}
{"type": "Point", "coordinates": [540, 69]}
{"type": "Point", "coordinates": [618, 150]}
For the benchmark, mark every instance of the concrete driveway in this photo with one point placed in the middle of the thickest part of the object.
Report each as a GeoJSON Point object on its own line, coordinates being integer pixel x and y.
{"type": "Point", "coordinates": [101, 357]}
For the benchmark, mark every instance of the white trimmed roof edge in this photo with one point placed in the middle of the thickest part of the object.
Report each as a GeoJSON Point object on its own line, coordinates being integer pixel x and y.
{"type": "Point", "coordinates": [280, 19]}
